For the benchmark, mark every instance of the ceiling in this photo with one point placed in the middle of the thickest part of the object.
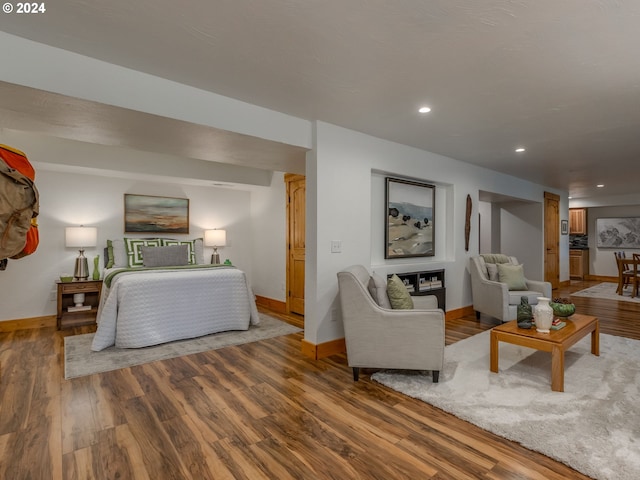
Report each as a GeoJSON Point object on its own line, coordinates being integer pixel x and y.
{"type": "Point", "coordinates": [556, 77]}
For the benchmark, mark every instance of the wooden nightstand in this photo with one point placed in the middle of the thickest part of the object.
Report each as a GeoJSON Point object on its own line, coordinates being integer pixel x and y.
{"type": "Point", "coordinates": [66, 290]}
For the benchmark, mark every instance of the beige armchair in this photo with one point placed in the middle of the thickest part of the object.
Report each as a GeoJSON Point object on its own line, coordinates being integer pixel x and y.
{"type": "Point", "coordinates": [493, 297]}
{"type": "Point", "coordinates": [379, 337]}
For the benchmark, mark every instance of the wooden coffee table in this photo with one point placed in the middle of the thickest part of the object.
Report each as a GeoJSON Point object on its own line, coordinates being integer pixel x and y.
{"type": "Point", "coordinates": [556, 342]}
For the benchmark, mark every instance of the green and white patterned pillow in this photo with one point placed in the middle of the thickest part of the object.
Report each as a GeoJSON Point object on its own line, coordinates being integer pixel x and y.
{"type": "Point", "coordinates": [134, 252]}
{"type": "Point", "coordinates": [191, 245]}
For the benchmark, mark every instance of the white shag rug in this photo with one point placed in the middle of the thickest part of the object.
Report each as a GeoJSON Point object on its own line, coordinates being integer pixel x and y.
{"type": "Point", "coordinates": [607, 290]}
{"type": "Point", "coordinates": [593, 426]}
{"type": "Point", "coordinates": [80, 360]}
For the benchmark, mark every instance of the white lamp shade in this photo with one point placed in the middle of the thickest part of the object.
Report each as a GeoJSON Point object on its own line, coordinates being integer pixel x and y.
{"type": "Point", "coordinates": [80, 236]}
{"type": "Point", "coordinates": [215, 238]}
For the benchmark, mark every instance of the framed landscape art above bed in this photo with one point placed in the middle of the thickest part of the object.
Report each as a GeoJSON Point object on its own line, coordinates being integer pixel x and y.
{"type": "Point", "coordinates": [150, 214]}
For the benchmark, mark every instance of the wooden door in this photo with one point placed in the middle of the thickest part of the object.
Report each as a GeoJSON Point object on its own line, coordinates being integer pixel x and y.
{"type": "Point", "coordinates": [295, 242]}
{"type": "Point", "coordinates": [552, 239]}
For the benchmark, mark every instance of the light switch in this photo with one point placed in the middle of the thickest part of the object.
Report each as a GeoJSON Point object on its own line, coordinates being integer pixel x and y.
{"type": "Point", "coordinates": [336, 246]}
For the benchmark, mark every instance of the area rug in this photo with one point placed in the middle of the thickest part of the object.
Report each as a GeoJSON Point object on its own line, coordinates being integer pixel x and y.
{"type": "Point", "coordinates": [607, 290]}
{"type": "Point", "coordinates": [79, 360]}
{"type": "Point", "coordinates": [593, 426]}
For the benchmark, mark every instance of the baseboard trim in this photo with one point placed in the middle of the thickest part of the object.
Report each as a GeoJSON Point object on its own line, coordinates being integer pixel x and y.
{"type": "Point", "coordinates": [601, 278]}
{"type": "Point", "coordinates": [323, 350]}
{"type": "Point", "coordinates": [273, 305]}
{"type": "Point", "coordinates": [27, 323]}
{"type": "Point", "coordinates": [459, 313]}
{"type": "Point", "coordinates": [338, 346]}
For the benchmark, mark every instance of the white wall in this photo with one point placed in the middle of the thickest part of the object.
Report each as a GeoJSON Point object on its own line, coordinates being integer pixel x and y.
{"type": "Point", "coordinates": [521, 226]}
{"type": "Point", "coordinates": [268, 226]}
{"type": "Point", "coordinates": [342, 193]}
{"type": "Point", "coordinates": [486, 220]}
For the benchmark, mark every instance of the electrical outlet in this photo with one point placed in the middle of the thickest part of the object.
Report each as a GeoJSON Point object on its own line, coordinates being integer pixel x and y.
{"type": "Point", "coordinates": [53, 295]}
{"type": "Point", "coordinates": [336, 246]}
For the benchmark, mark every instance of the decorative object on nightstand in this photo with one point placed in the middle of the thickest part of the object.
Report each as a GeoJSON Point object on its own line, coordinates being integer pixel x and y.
{"type": "Point", "coordinates": [96, 268]}
{"type": "Point", "coordinates": [215, 238]}
{"type": "Point", "coordinates": [81, 237]}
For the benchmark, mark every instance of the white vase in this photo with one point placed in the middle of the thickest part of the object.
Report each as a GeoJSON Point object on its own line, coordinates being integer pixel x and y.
{"type": "Point", "coordinates": [543, 314]}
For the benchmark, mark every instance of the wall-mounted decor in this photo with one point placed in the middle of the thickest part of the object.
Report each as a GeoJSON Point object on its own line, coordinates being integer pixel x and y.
{"type": "Point", "coordinates": [467, 223]}
{"type": "Point", "coordinates": [618, 232]}
{"type": "Point", "coordinates": [148, 214]}
{"type": "Point", "coordinates": [410, 219]}
{"type": "Point", "coordinates": [564, 227]}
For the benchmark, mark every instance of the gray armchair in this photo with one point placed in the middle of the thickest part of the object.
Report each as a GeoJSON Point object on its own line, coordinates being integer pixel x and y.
{"type": "Point", "coordinates": [493, 297]}
{"type": "Point", "coordinates": [379, 337]}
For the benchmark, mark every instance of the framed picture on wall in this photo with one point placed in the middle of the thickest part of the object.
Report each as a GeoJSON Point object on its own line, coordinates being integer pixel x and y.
{"type": "Point", "coordinates": [149, 214]}
{"type": "Point", "coordinates": [410, 219]}
{"type": "Point", "coordinates": [564, 227]}
{"type": "Point", "coordinates": [618, 232]}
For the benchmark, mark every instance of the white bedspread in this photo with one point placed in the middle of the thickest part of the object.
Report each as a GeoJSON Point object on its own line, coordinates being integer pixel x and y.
{"type": "Point", "coordinates": [156, 306]}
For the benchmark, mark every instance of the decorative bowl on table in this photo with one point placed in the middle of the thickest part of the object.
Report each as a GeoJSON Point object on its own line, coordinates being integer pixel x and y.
{"type": "Point", "coordinates": [562, 308]}
{"type": "Point", "coordinates": [66, 278]}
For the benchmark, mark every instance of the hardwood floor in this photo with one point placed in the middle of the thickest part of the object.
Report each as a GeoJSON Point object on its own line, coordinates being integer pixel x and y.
{"type": "Point", "coordinates": [259, 410]}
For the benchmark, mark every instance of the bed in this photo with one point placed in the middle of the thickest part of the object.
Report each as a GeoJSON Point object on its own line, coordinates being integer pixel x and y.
{"type": "Point", "coordinates": [143, 306]}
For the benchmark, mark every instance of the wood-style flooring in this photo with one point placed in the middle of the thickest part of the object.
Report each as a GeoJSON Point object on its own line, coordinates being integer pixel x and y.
{"type": "Point", "coordinates": [253, 411]}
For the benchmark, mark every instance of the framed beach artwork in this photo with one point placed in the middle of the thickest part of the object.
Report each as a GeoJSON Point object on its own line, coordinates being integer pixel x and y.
{"type": "Point", "coordinates": [149, 214]}
{"type": "Point", "coordinates": [410, 225]}
{"type": "Point", "coordinates": [618, 232]}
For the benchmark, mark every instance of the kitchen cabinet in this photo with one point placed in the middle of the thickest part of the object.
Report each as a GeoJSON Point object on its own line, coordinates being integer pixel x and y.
{"type": "Point", "coordinates": [578, 264]}
{"type": "Point", "coordinates": [578, 221]}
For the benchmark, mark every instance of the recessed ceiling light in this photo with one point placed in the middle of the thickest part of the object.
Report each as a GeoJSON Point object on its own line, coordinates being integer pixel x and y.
{"type": "Point", "coordinates": [600, 185]}
{"type": "Point", "coordinates": [519, 150]}
{"type": "Point", "coordinates": [569, 197]}
{"type": "Point", "coordinates": [424, 109]}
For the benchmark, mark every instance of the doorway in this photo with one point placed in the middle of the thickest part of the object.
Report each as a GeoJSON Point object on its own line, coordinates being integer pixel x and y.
{"type": "Point", "coordinates": [296, 194]}
{"type": "Point", "coordinates": [552, 239]}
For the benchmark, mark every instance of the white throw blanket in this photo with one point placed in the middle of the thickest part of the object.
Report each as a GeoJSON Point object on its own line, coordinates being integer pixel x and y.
{"type": "Point", "coordinates": [156, 306]}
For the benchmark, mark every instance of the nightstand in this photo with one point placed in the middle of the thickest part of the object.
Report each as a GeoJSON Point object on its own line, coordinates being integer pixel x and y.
{"type": "Point", "coordinates": [66, 290]}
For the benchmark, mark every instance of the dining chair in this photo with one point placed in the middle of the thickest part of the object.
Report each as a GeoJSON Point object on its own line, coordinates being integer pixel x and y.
{"type": "Point", "coordinates": [636, 274]}
{"type": "Point", "coordinates": [625, 273]}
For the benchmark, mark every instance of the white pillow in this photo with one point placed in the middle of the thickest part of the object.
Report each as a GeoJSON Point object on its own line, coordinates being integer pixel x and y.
{"type": "Point", "coordinates": [492, 270]}
{"type": "Point", "coordinates": [119, 253]}
{"type": "Point", "coordinates": [378, 290]}
{"type": "Point", "coordinates": [199, 251]}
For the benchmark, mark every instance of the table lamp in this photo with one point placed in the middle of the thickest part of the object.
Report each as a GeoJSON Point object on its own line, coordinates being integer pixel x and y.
{"type": "Point", "coordinates": [81, 237]}
{"type": "Point", "coordinates": [215, 238]}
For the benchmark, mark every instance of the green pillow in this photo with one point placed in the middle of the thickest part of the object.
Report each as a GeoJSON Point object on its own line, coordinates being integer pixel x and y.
{"type": "Point", "coordinates": [512, 275]}
{"type": "Point", "coordinates": [398, 295]}
{"type": "Point", "coordinates": [191, 247]}
{"type": "Point", "coordinates": [110, 257]}
{"type": "Point", "coordinates": [134, 252]}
